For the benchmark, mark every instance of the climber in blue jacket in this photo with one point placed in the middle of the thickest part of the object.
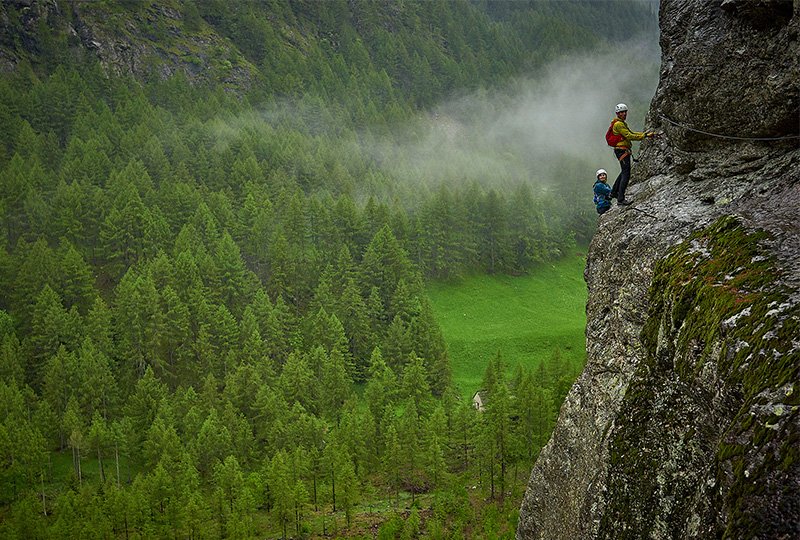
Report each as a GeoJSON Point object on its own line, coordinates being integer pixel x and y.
{"type": "Point", "coordinates": [602, 191]}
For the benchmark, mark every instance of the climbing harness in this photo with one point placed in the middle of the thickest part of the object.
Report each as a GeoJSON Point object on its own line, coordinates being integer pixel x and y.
{"type": "Point", "coordinates": [628, 152]}
{"type": "Point", "coordinates": [674, 123]}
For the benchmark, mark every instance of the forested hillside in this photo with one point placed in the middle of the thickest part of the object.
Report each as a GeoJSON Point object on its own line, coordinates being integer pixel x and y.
{"type": "Point", "coordinates": [213, 317]}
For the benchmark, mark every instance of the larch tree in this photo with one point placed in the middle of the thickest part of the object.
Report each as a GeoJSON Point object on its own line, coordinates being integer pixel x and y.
{"type": "Point", "coordinates": [75, 279]}
{"type": "Point", "coordinates": [335, 384]}
{"type": "Point", "coordinates": [280, 489]}
{"type": "Point", "coordinates": [51, 327]}
{"type": "Point", "coordinates": [98, 439]}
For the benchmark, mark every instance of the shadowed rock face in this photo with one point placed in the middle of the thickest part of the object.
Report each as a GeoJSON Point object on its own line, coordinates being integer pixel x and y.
{"type": "Point", "coordinates": [685, 422]}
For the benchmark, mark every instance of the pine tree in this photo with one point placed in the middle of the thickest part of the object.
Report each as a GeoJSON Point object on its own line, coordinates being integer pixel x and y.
{"type": "Point", "coordinates": [348, 488]}
{"type": "Point", "coordinates": [464, 435]}
{"type": "Point", "coordinates": [242, 385]}
{"type": "Point", "coordinates": [300, 498]}
{"type": "Point", "coordinates": [356, 428]}
{"type": "Point", "coordinates": [335, 385]}
{"type": "Point", "coordinates": [74, 427]}
{"type": "Point", "coordinates": [97, 439]}
{"type": "Point", "coordinates": [15, 187]}
{"type": "Point", "coordinates": [414, 384]}
{"type": "Point", "coordinates": [297, 381]}
{"type": "Point", "coordinates": [98, 326]}
{"type": "Point", "coordinates": [497, 435]}
{"type": "Point", "coordinates": [37, 212]}
{"type": "Point", "coordinates": [97, 387]}
{"type": "Point", "coordinates": [12, 360]}
{"type": "Point", "coordinates": [121, 437]}
{"type": "Point", "coordinates": [396, 345]}
{"type": "Point", "coordinates": [494, 243]}
{"type": "Point", "coordinates": [381, 385]}
{"type": "Point", "coordinates": [393, 459]}
{"type": "Point", "coordinates": [59, 384]}
{"type": "Point", "coordinates": [280, 267]}
{"type": "Point", "coordinates": [138, 318]}
{"type": "Point", "coordinates": [197, 515]}
{"type": "Point", "coordinates": [428, 342]}
{"type": "Point", "coordinates": [213, 443]}
{"type": "Point", "coordinates": [35, 268]}
{"type": "Point", "coordinates": [123, 230]}
{"type": "Point", "coordinates": [284, 332]}
{"type": "Point", "coordinates": [224, 336]}
{"type": "Point", "coordinates": [278, 479]}
{"type": "Point", "coordinates": [494, 374]}
{"type": "Point", "coordinates": [347, 220]}
{"type": "Point", "coordinates": [352, 312]}
{"type": "Point", "coordinates": [409, 433]}
{"type": "Point", "coordinates": [241, 433]}
{"type": "Point", "coordinates": [160, 491]}
{"type": "Point", "coordinates": [228, 478]}
{"type": "Point", "coordinates": [23, 449]}
{"type": "Point", "coordinates": [433, 452]}
{"type": "Point", "coordinates": [259, 228]}
{"type": "Point", "coordinates": [51, 327]}
{"type": "Point", "coordinates": [385, 264]}
{"type": "Point", "coordinates": [174, 336]}
{"type": "Point", "coordinates": [143, 405]}
{"type": "Point", "coordinates": [162, 444]}
{"type": "Point", "coordinates": [233, 274]}
{"type": "Point", "coordinates": [71, 219]}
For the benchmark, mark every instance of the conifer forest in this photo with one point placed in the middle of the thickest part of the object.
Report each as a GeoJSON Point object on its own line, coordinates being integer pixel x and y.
{"type": "Point", "coordinates": [214, 247]}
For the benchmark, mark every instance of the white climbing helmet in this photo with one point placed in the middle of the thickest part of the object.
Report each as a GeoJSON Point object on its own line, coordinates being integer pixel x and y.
{"type": "Point", "coordinates": [599, 172]}
{"type": "Point", "coordinates": [620, 108]}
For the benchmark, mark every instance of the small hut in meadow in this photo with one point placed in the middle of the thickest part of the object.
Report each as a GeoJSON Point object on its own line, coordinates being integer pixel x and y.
{"type": "Point", "coordinates": [479, 400]}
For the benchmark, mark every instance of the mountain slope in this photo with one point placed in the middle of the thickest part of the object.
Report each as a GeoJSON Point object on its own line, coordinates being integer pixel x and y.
{"type": "Point", "coordinates": [423, 50]}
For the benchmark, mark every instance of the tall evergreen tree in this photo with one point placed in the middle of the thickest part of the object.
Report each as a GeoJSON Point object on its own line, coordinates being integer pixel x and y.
{"type": "Point", "coordinates": [52, 326]}
{"type": "Point", "coordinates": [143, 405]}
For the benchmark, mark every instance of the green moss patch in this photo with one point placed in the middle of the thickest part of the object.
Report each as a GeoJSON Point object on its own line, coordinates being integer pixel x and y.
{"type": "Point", "coordinates": [722, 296]}
{"type": "Point", "coordinates": [707, 441]}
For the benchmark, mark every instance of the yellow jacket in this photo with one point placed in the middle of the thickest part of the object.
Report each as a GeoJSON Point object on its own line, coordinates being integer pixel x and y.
{"type": "Point", "coordinates": [621, 128]}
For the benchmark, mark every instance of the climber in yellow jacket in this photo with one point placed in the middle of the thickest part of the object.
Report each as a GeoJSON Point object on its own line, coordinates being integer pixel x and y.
{"type": "Point", "coordinates": [622, 150]}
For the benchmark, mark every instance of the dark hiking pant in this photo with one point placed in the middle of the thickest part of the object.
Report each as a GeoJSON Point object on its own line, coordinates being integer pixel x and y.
{"type": "Point", "coordinates": [621, 183]}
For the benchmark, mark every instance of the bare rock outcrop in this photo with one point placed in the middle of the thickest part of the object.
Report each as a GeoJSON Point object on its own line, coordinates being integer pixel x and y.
{"type": "Point", "coordinates": [685, 422]}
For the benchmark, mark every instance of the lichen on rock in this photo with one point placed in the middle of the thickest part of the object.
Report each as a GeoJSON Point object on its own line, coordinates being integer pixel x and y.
{"type": "Point", "coordinates": [702, 454]}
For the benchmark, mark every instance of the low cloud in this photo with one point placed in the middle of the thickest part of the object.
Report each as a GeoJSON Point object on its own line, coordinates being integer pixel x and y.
{"type": "Point", "coordinates": [525, 132]}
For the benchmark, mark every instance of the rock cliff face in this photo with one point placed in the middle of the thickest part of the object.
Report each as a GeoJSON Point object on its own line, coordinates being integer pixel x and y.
{"type": "Point", "coordinates": [685, 422]}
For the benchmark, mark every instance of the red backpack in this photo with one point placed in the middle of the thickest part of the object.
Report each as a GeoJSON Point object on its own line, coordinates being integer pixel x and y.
{"type": "Point", "coordinates": [611, 138]}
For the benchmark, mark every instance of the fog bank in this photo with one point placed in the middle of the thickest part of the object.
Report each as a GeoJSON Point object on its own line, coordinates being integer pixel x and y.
{"type": "Point", "coordinates": [530, 131]}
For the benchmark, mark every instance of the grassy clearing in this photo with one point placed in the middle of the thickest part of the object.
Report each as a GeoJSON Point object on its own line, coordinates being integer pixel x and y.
{"type": "Point", "coordinates": [525, 318]}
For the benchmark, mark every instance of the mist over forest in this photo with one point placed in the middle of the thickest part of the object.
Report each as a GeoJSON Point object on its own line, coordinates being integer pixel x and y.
{"type": "Point", "coordinates": [518, 132]}
{"type": "Point", "coordinates": [521, 132]}
{"type": "Point", "coordinates": [217, 224]}
{"type": "Point", "coordinates": [536, 130]}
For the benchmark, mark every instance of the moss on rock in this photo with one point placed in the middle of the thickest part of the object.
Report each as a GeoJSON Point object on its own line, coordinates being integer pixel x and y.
{"type": "Point", "coordinates": [708, 444]}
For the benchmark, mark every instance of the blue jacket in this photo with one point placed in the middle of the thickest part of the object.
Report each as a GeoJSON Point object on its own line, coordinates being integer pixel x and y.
{"type": "Point", "coordinates": [602, 196]}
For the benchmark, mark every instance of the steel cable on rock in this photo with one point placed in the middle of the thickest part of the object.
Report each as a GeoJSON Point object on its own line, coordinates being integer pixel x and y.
{"type": "Point", "coordinates": [674, 123]}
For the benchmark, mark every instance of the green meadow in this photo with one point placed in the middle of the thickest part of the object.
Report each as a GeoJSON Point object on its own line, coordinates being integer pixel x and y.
{"type": "Point", "coordinates": [526, 318]}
